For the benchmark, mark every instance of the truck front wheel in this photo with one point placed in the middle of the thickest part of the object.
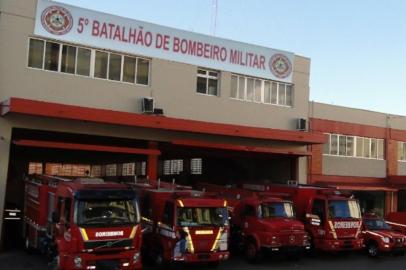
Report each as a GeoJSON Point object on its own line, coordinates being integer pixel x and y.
{"type": "Point", "coordinates": [54, 264]}
{"type": "Point", "coordinates": [159, 258]}
{"type": "Point", "coordinates": [251, 252]}
{"type": "Point", "coordinates": [372, 249]}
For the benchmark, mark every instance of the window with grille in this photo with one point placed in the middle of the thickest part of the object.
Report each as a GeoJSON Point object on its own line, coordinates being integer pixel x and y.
{"type": "Point", "coordinates": [196, 166]}
{"type": "Point", "coordinates": [173, 166]}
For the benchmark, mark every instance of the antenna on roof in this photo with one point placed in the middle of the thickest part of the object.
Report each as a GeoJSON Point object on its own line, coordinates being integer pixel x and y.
{"type": "Point", "coordinates": [213, 17]}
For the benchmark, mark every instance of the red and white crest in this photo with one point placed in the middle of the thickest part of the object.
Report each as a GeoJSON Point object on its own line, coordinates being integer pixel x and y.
{"type": "Point", "coordinates": [56, 20]}
{"type": "Point", "coordinates": [280, 66]}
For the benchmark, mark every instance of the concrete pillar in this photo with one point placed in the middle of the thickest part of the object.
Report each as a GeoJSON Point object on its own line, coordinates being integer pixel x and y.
{"type": "Point", "coordinates": [391, 202]}
{"type": "Point", "coordinates": [301, 171]}
{"type": "Point", "coordinates": [5, 141]}
{"type": "Point", "coordinates": [152, 164]}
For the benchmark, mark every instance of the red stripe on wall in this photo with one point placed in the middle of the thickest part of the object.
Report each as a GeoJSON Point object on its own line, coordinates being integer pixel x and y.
{"type": "Point", "coordinates": [87, 147]}
{"type": "Point", "coordinates": [242, 148]}
{"type": "Point", "coordinates": [63, 111]}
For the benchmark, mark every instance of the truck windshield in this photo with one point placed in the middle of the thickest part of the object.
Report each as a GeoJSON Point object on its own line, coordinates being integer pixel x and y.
{"type": "Point", "coordinates": [109, 212]}
{"type": "Point", "coordinates": [276, 209]}
{"type": "Point", "coordinates": [202, 216]}
{"type": "Point", "coordinates": [376, 224]}
{"type": "Point", "coordinates": [344, 209]}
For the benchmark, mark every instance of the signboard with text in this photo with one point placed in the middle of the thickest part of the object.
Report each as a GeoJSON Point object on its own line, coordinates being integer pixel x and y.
{"type": "Point", "coordinates": [101, 30]}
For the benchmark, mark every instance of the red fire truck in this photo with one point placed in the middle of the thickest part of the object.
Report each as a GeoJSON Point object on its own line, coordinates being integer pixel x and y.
{"type": "Point", "coordinates": [262, 221]}
{"type": "Point", "coordinates": [83, 223]}
{"type": "Point", "coordinates": [380, 237]}
{"type": "Point", "coordinates": [182, 225]}
{"type": "Point", "coordinates": [332, 218]}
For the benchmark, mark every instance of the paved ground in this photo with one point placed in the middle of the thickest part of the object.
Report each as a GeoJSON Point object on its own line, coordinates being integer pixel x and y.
{"type": "Point", "coordinates": [20, 261]}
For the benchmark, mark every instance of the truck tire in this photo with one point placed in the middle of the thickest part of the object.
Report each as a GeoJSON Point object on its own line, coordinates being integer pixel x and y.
{"type": "Point", "coordinates": [372, 249]}
{"type": "Point", "coordinates": [252, 254]}
{"type": "Point", "coordinates": [54, 263]}
{"type": "Point", "coordinates": [159, 258]}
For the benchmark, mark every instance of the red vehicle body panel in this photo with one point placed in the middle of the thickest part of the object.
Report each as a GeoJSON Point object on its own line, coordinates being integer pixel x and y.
{"type": "Point", "coordinates": [164, 235]}
{"type": "Point", "coordinates": [269, 233]}
{"type": "Point", "coordinates": [94, 245]}
{"type": "Point", "coordinates": [328, 234]}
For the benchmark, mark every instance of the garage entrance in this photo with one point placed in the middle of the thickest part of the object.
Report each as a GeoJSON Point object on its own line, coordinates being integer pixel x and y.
{"type": "Point", "coordinates": [371, 201]}
{"type": "Point", "coordinates": [125, 160]}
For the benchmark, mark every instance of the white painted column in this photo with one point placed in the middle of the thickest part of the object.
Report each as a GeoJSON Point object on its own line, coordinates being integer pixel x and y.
{"type": "Point", "coordinates": [301, 170]}
{"type": "Point", "coordinates": [5, 141]}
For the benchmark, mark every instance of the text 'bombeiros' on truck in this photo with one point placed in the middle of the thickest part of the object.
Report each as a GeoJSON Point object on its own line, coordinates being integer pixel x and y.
{"type": "Point", "coordinates": [84, 223]}
{"type": "Point", "coordinates": [262, 222]}
{"type": "Point", "coordinates": [182, 225]}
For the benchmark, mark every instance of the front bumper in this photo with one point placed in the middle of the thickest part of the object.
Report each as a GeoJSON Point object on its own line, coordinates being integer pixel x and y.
{"type": "Point", "coordinates": [392, 248]}
{"type": "Point", "coordinates": [339, 244]}
{"type": "Point", "coordinates": [203, 257]}
{"type": "Point", "coordinates": [287, 248]}
{"type": "Point", "coordinates": [123, 260]}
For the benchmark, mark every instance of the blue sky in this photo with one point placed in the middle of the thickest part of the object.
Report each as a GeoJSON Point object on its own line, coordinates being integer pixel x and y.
{"type": "Point", "coordinates": [357, 48]}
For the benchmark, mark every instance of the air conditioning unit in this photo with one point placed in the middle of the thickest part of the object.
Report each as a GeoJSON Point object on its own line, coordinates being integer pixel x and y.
{"type": "Point", "coordinates": [148, 105]}
{"type": "Point", "coordinates": [292, 183]}
{"type": "Point", "coordinates": [301, 124]}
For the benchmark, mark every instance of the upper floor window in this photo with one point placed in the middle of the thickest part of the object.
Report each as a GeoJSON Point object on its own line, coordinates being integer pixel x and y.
{"type": "Point", "coordinates": [261, 91]}
{"type": "Point", "coordinates": [354, 146]}
{"type": "Point", "coordinates": [70, 59]}
{"type": "Point", "coordinates": [207, 82]}
{"type": "Point", "coordinates": [402, 151]}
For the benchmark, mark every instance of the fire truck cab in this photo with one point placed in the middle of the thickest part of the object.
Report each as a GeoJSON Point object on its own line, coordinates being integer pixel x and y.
{"type": "Point", "coordinates": [332, 218]}
{"type": "Point", "coordinates": [83, 224]}
{"type": "Point", "coordinates": [262, 222]}
{"type": "Point", "coordinates": [182, 225]}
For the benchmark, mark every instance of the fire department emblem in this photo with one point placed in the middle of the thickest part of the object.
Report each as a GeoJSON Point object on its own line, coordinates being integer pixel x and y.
{"type": "Point", "coordinates": [57, 20]}
{"type": "Point", "coordinates": [280, 65]}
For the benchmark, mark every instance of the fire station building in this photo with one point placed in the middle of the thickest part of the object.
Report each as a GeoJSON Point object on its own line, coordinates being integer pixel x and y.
{"type": "Point", "coordinates": [88, 93]}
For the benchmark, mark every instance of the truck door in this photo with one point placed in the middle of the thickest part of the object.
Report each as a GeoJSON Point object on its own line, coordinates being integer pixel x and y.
{"type": "Point", "coordinates": [166, 230]}
{"type": "Point", "coordinates": [249, 218]}
{"type": "Point", "coordinates": [63, 216]}
{"type": "Point", "coordinates": [317, 219]}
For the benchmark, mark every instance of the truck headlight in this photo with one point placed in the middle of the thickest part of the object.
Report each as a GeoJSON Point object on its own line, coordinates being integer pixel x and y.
{"type": "Point", "coordinates": [78, 262]}
{"type": "Point", "coordinates": [136, 257]}
{"type": "Point", "coordinates": [386, 240]}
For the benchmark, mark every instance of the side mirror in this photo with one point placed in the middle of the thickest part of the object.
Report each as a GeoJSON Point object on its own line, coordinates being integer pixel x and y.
{"type": "Point", "coordinates": [55, 217]}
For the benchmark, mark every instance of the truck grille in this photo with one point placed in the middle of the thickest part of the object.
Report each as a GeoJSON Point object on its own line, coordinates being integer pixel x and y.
{"type": "Point", "coordinates": [203, 256]}
{"type": "Point", "coordinates": [108, 244]}
{"type": "Point", "coordinates": [108, 265]}
{"type": "Point", "coordinates": [347, 244]}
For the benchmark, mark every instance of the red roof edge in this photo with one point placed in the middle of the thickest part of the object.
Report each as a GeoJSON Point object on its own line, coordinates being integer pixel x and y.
{"type": "Point", "coordinates": [242, 148]}
{"type": "Point", "coordinates": [104, 116]}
